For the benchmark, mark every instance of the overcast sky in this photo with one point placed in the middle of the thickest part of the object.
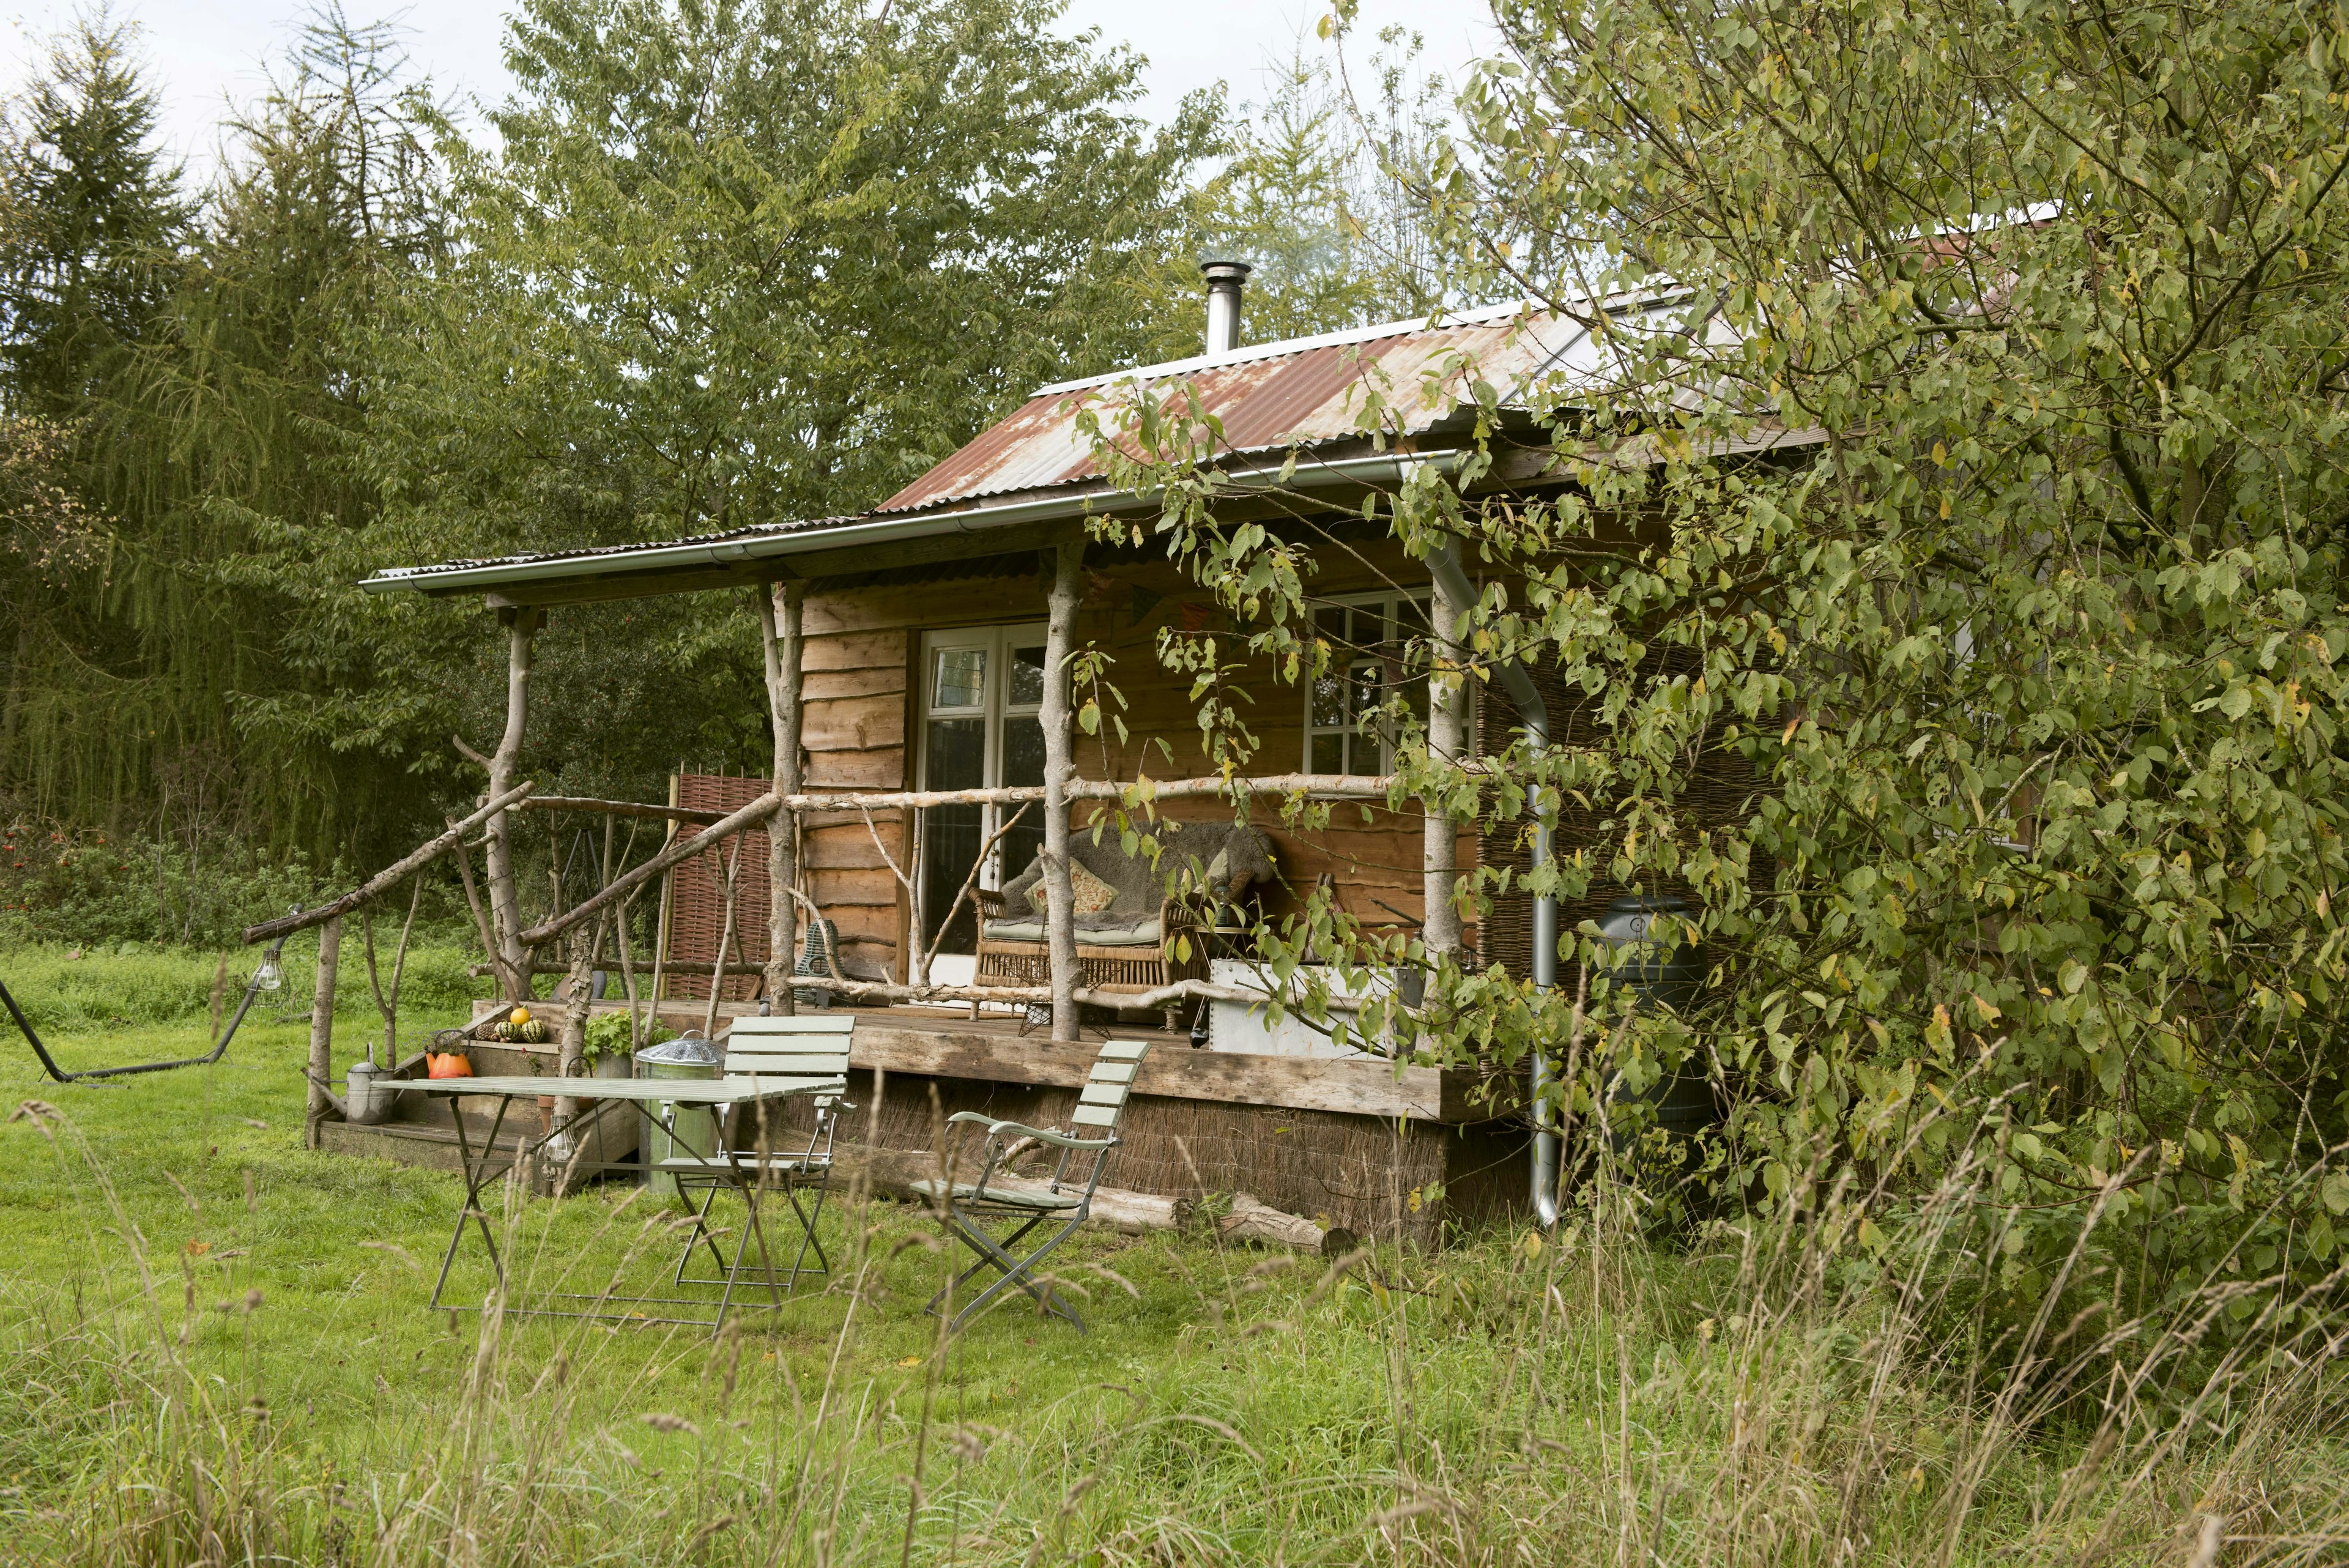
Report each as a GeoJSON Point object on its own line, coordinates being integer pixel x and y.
{"type": "Point", "coordinates": [206, 52]}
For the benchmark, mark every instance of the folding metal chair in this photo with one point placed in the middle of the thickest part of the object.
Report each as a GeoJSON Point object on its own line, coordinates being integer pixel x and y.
{"type": "Point", "coordinates": [968, 1206]}
{"type": "Point", "coordinates": [767, 1050]}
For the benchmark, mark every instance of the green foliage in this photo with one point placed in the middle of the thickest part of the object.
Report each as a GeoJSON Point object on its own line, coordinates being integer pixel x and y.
{"type": "Point", "coordinates": [1316, 195]}
{"type": "Point", "coordinates": [94, 889]}
{"type": "Point", "coordinates": [2034, 657]}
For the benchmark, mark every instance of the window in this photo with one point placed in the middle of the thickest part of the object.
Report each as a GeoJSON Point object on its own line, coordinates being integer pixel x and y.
{"type": "Point", "coordinates": [1366, 636]}
{"type": "Point", "coordinates": [981, 689]}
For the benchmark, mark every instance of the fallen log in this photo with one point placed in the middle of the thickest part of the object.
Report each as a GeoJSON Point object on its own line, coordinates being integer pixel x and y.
{"type": "Point", "coordinates": [1251, 1221]}
{"type": "Point", "coordinates": [385, 880]}
{"type": "Point", "coordinates": [891, 1172]}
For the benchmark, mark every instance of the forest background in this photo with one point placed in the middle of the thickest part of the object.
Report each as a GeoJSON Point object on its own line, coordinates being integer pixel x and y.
{"type": "Point", "coordinates": [704, 267]}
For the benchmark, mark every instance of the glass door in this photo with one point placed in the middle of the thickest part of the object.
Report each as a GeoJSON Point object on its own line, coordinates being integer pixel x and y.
{"type": "Point", "coordinates": [982, 689]}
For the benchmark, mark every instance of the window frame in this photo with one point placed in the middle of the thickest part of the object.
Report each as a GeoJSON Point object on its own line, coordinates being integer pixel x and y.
{"type": "Point", "coordinates": [1388, 602]}
{"type": "Point", "coordinates": [999, 642]}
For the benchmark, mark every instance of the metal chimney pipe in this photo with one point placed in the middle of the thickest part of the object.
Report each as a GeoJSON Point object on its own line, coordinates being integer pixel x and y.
{"type": "Point", "coordinates": [1225, 281]}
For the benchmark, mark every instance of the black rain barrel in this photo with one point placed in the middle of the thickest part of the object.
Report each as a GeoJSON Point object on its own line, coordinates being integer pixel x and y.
{"type": "Point", "coordinates": [1684, 1105]}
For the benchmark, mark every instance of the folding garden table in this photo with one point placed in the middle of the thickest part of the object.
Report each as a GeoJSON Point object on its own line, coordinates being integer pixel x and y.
{"type": "Point", "coordinates": [481, 1168]}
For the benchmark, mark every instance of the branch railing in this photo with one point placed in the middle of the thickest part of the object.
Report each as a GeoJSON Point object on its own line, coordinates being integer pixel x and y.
{"type": "Point", "coordinates": [696, 832]}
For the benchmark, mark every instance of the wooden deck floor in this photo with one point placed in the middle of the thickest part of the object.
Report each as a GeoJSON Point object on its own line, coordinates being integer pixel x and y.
{"type": "Point", "coordinates": [937, 1042]}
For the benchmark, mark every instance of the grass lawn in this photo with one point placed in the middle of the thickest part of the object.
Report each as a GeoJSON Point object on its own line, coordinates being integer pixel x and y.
{"type": "Point", "coordinates": [213, 1349]}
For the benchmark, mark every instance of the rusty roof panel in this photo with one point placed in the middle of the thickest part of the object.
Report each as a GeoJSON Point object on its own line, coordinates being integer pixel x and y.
{"type": "Point", "coordinates": [1269, 395]}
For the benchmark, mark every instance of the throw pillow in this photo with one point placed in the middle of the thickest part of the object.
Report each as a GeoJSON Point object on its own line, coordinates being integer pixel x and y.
{"type": "Point", "coordinates": [1093, 894]}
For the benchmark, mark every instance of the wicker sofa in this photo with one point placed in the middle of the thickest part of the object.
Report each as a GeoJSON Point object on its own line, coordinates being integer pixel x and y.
{"type": "Point", "coordinates": [1139, 926]}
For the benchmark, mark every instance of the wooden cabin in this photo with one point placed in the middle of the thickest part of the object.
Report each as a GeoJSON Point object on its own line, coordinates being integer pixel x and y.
{"type": "Point", "coordinates": [924, 661]}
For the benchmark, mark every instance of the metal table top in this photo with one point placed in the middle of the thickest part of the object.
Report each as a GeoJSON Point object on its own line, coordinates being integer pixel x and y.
{"type": "Point", "coordinates": [664, 1091]}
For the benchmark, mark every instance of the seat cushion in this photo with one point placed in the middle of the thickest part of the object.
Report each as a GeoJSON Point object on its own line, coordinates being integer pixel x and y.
{"type": "Point", "coordinates": [1114, 933]}
{"type": "Point", "coordinates": [1009, 1197]}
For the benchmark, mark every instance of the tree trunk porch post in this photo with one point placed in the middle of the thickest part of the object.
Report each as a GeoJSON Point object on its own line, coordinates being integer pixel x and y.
{"type": "Point", "coordinates": [505, 902]}
{"type": "Point", "coordinates": [1060, 914]}
{"type": "Point", "coordinates": [1447, 742]}
{"type": "Point", "coordinates": [779, 624]}
{"type": "Point", "coordinates": [322, 1031]}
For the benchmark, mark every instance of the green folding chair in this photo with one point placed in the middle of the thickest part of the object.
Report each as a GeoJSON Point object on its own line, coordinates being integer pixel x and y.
{"type": "Point", "coordinates": [809, 1053]}
{"type": "Point", "coordinates": [969, 1207]}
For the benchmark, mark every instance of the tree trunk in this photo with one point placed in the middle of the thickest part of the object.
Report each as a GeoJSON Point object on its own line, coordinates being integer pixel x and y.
{"type": "Point", "coordinates": [1447, 742]}
{"type": "Point", "coordinates": [322, 1030]}
{"type": "Point", "coordinates": [578, 999]}
{"type": "Point", "coordinates": [1060, 912]}
{"type": "Point", "coordinates": [782, 642]}
{"type": "Point", "coordinates": [506, 900]}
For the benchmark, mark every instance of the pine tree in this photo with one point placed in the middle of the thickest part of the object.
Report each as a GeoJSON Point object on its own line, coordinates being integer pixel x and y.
{"type": "Point", "coordinates": [95, 217]}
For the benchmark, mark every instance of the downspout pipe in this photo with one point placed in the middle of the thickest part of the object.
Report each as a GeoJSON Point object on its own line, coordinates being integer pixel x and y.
{"type": "Point", "coordinates": [1443, 565]}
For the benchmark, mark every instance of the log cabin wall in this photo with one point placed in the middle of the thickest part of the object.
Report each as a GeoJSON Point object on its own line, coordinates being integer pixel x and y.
{"type": "Point", "coordinates": [862, 709]}
{"type": "Point", "coordinates": [862, 685]}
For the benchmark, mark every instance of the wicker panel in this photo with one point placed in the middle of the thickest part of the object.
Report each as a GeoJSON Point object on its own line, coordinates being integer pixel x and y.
{"type": "Point", "coordinates": [697, 891]}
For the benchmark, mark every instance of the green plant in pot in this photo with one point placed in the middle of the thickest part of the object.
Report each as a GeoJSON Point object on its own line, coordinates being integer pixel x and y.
{"type": "Point", "coordinates": [607, 1049]}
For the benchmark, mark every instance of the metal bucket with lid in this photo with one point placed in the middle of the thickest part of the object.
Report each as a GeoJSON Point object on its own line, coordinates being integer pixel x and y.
{"type": "Point", "coordinates": [688, 1056]}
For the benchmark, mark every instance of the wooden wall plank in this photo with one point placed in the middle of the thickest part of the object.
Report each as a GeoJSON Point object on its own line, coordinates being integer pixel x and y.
{"type": "Point", "coordinates": [855, 650]}
{"type": "Point", "coordinates": [832, 685]}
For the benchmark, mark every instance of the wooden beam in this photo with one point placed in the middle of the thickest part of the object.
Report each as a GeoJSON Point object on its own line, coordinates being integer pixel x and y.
{"type": "Point", "coordinates": [617, 581]}
{"type": "Point", "coordinates": [383, 881]}
{"type": "Point", "coordinates": [1335, 786]}
{"type": "Point", "coordinates": [619, 585]}
{"type": "Point", "coordinates": [952, 1047]}
{"type": "Point", "coordinates": [1362, 1085]}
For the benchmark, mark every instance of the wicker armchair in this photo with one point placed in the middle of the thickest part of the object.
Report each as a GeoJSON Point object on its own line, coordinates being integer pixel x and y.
{"type": "Point", "coordinates": [1132, 946]}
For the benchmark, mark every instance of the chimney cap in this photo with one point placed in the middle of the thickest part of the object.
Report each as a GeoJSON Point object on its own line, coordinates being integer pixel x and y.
{"type": "Point", "coordinates": [1225, 271]}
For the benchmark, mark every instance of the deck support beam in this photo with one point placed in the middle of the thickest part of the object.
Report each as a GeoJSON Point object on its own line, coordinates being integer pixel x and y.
{"type": "Point", "coordinates": [779, 627]}
{"type": "Point", "coordinates": [1055, 716]}
{"type": "Point", "coordinates": [1447, 744]}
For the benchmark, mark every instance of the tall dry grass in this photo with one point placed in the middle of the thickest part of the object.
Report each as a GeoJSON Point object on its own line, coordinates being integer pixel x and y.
{"type": "Point", "coordinates": [1751, 1390]}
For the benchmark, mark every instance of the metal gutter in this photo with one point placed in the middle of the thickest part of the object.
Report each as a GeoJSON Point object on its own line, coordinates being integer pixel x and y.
{"type": "Point", "coordinates": [654, 558]}
{"type": "Point", "coordinates": [1443, 565]}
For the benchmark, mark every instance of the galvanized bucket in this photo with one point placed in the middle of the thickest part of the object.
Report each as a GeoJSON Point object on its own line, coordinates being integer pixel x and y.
{"type": "Point", "coordinates": [696, 1128]}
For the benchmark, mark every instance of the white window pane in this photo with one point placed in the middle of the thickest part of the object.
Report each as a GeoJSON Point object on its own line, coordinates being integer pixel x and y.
{"type": "Point", "coordinates": [958, 678]}
{"type": "Point", "coordinates": [1026, 678]}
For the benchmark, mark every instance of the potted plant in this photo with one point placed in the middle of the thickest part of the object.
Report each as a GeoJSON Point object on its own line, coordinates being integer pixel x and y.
{"type": "Point", "coordinates": [608, 1051]}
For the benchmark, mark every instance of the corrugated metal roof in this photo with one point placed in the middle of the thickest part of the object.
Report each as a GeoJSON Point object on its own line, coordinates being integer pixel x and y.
{"type": "Point", "coordinates": [1272, 395]}
{"type": "Point", "coordinates": [1303, 391]}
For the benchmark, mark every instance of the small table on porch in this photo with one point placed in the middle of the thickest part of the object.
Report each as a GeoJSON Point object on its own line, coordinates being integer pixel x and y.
{"type": "Point", "coordinates": [669, 1093]}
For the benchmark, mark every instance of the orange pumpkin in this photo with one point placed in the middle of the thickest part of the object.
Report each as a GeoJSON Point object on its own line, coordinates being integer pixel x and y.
{"type": "Point", "coordinates": [447, 1064]}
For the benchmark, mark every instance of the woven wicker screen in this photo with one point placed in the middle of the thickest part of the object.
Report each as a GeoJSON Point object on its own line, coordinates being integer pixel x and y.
{"type": "Point", "coordinates": [1720, 796]}
{"type": "Point", "coordinates": [697, 891]}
